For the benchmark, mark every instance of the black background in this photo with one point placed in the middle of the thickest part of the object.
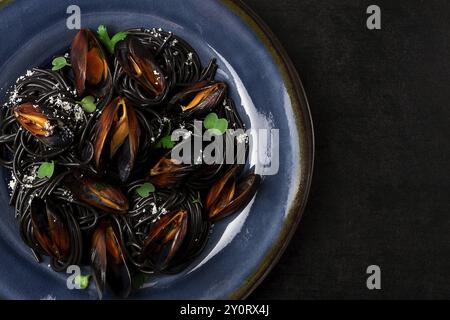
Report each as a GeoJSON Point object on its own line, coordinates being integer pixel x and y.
{"type": "Point", "coordinates": [380, 105]}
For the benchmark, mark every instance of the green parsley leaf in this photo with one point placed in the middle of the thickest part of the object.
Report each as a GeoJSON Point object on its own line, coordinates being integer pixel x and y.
{"type": "Point", "coordinates": [82, 281]}
{"type": "Point", "coordinates": [214, 124]}
{"type": "Point", "coordinates": [166, 143]}
{"type": "Point", "coordinates": [145, 189]}
{"type": "Point", "coordinates": [88, 104]}
{"type": "Point", "coordinates": [110, 43]}
{"type": "Point", "coordinates": [103, 35]}
{"type": "Point", "coordinates": [119, 36]}
{"type": "Point", "coordinates": [46, 169]}
{"type": "Point", "coordinates": [59, 63]}
{"type": "Point", "coordinates": [221, 125]}
{"type": "Point", "coordinates": [210, 120]}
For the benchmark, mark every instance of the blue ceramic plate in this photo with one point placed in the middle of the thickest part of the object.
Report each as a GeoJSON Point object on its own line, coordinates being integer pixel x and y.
{"type": "Point", "coordinates": [268, 93]}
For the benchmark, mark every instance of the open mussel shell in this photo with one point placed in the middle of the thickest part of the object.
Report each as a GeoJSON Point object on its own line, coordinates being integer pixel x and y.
{"type": "Point", "coordinates": [96, 193]}
{"type": "Point", "coordinates": [228, 195]}
{"type": "Point", "coordinates": [108, 261]}
{"type": "Point", "coordinates": [165, 238]}
{"type": "Point", "coordinates": [50, 229]}
{"type": "Point", "coordinates": [224, 186]}
{"type": "Point", "coordinates": [168, 172]}
{"type": "Point", "coordinates": [117, 137]}
{"type": "Point", "coordinates": [89, 65]}
{"type": "Point", "coordinates": [50, 130]}
{"type": "Point", "coordinates": [198, 99]}
{"type": "Point", "coordinates": [138, 63]}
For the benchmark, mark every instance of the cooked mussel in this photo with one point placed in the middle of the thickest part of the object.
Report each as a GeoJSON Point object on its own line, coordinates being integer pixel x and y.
{"type": "Point", "coordinates": [89, 65]}
{"type": "Point", "coordinates": [117, 137]}
{"type": "Point", "coordinates": [168, 172]}
{"type": "Point", "coordinates": [229, 194]}
{"type": "Point", "coordinates": [49, 229]}
{"type": "Point", "coordinates": [198, 98]}
{"type": "Point", "coordinates": [97, 193]}
{"type": "Point", "coordinates": [138, 62]}
{"type": "Point", "coordinates": [108, 261]}
{"type": "Point", "coordinates": [48, 129]}
{"type": "Point", "coordinates": [165, 238]}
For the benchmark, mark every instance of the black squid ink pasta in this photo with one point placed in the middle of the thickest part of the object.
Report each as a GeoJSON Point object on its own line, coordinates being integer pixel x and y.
{"type": "Point", "coordinates": [87, 145]}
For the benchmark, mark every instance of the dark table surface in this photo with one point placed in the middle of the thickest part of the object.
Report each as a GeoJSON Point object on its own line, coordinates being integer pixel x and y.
{"type": "Point", "coordinates": [380, 106]}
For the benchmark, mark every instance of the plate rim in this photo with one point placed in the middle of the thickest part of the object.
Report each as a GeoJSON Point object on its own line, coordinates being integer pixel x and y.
{"type": "Point", "coordinates": [305, 128]}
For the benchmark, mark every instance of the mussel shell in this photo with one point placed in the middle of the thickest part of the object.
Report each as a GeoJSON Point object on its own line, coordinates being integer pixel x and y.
{"type": "Point", "coordinates": [62, 139]}
{"type": "Point", "coordinates": [31, 118]}
{"type": "Point", "coordinates": [108, 261]}
{"type": "Point", "coordinates": [138, 63]}
{"type": "Point", "coordinates": [166, 237]}
{"type": "Point", "coordinates": [245, 190]}
{"type": "Point", "coordinates": [49, 229]}
{"type": "Point", "coordinates": [225, 184]}
{"type": "Point", "coordinates": [228, 196]}
{"type": "Point", "coordinates": [97, 193]}
{"type": "Point", "coordinates": [87, 52]}
{"type": "Point", "coordinates": [168, 172]}
{"type": "Point", "coordinates": [117, 136]}
{"type": "Point", "coordinates": [38, 121]}
{"type": "Point", "coordinates": [198, 99]}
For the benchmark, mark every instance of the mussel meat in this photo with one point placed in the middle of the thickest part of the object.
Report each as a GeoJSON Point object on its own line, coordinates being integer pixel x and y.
{"type": "Point", "coordinates": [99, 194]}
{"type": "Point", "coordinates": [165, 237]}
{"type": "Point", "coordinates": [117, 136]}
{"type": "Point", "coordinates": [138, 62]}
{"type": "Point", "coordinates": [108, 261]}
{"type": "Point", "coordinates": [89, 65]}
{"type": "Point", "coordinates": [49, 229]}
{"type": "Point", "coordinates": [229, 194]}
{"type": "Point", "coordinates": [198, 98]}
{"type": "Point", "coordinates": [50, 130]}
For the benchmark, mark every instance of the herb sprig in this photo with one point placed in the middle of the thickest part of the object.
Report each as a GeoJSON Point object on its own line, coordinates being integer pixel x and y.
{"type": "Point", "coordinates": [88, 104]}
{"type": "Point", "coordinates": [214, 124]}
{"type": "Point", "coordinates": [82, 282]}
{"type": "Point", "coordinates": [46, 170]}
{"type": "Point", "coordinates": [145, 189]}
{"type": "Point", "coordinates": [110, 43]}
{"type": "Point", "coordinates": [59, 63]}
